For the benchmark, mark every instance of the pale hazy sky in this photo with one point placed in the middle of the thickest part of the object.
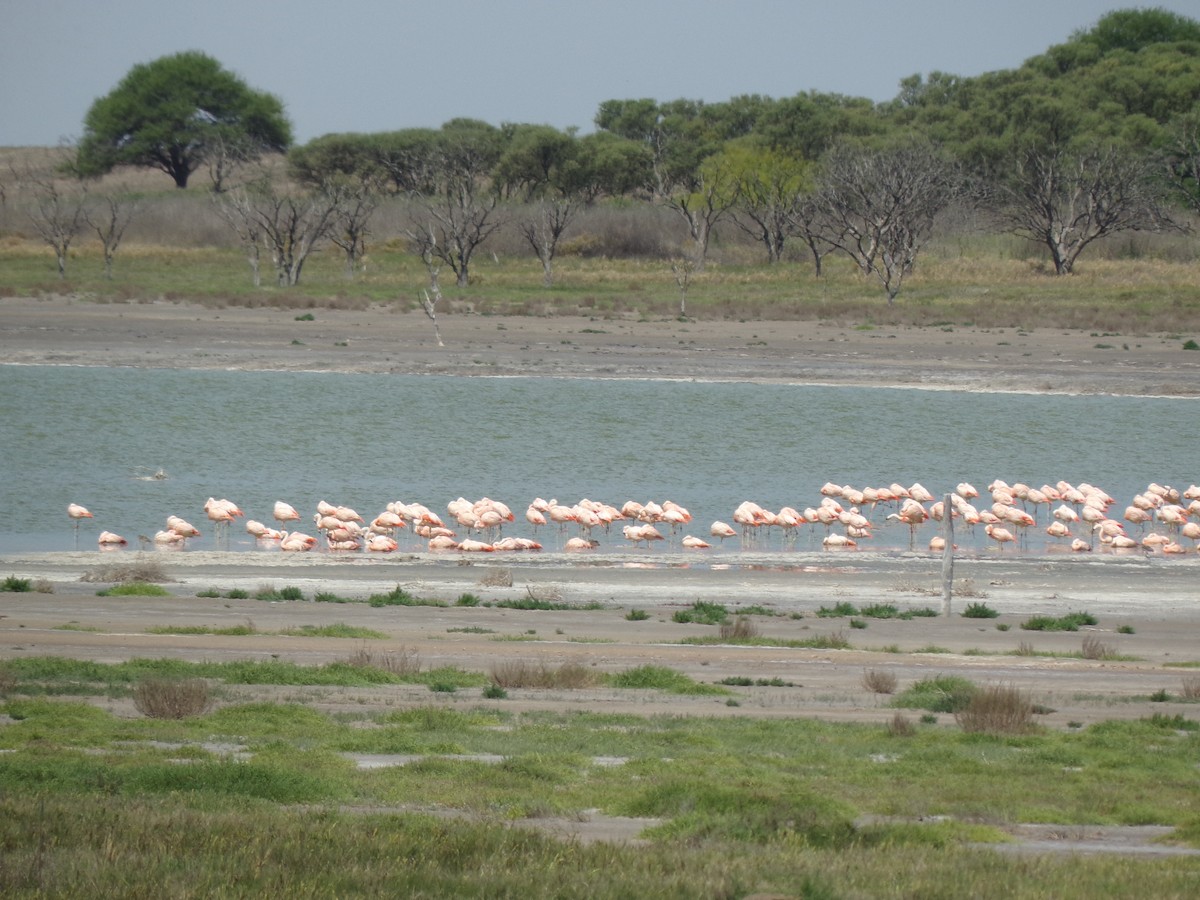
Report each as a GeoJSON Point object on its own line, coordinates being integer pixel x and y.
{"type": "Point", "coordinates": [372, 65]}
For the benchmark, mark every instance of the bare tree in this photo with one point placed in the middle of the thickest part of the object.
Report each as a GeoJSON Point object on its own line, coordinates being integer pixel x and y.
{"type": "Point", "coordinates": [878, 206]}
{"type": "Point", "coordinates": [109, 216]}
{"type": "Point", "coordinates": [357, 203]}
{"type": "Point", "coordinates": [463, 217]}
{"type": "Point", "coordinates": [237, 209]}
{"type": "Point", "coordinates": [544, 227]}
{"type": "Point", "coordinates": [58, 213]}
{"type": "Point", "coordinates": [806, 223]}
{"type": "Point", "coordinates": [682, 269]}
{"type": "Point", "coordinates": [1065, 199]}
{"type": "Point", "coordinates": [289, 225]}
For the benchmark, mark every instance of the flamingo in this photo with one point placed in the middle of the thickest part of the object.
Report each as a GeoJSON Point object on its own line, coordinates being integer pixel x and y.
{"type": "Point", "coordinates": [297, 542]}
{"type": "Point", "coordinates": [285, 512]}
{"type": "Point", "coordinates": [576, 544]}
{"type": "Point", "coordinates": [694, 543]}
{"type": "Point", "coordinates": [833, 541]}
{"type": "Point", "coordinates": [108, 540]}
{"type": "Point", "coordinates": [77, 514]}
{"type": "Point", "coordinates": [721, 530]}
{"type": "Point", "coordinates": [1000, 535]}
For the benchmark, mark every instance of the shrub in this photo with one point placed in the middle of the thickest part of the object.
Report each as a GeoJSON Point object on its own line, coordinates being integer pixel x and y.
{"type": "Point", "coordinates": [880, 611]}
{"type": "Point", "coordinates": [16, 585]}
{"type": "Point", "coordinates": [171, 698]}
{"type": "Point", "coordinates": [838, 610]}
{"type": "Point", "coordinates": [901, 726]}
{"type": "Point", "coordinates": [740, 629]}
{"type": "Point", "coordinates": [996, 709]}
{"type": "Point", "coordinates": [1094, 648]}
{"type": "Point", "coordinates": [1160, 696]}
{"type": "Point", "coordinates": [702, 613]}
{"type": "Point", "coordinates": [494, 692]}
{"type": "Point", "coordinates": [1191, 344]}
{"type": "Point", "coordinates": [1191, 688]}
{"type": "Point", "coordinates": [443, 687]}
{"type": "Point", "coordinates": [522, 674]}
{"type": "Point", "coordinates": [1126, 629]}
{"type": "Point", "coordinates": [663, 679]}
{"type": "Point", "coordinates": [468, 599]}
{"type": "Point", "coordinates": [941, 693]}
{"type": "Point", "coordinates": [237, 594]}
{"type": "Point", "coordinates": [1172, 723]}
{"type": "Point", "coordinates": [879, 682]}
{"type": "Point", "coordinates": [291, 593]}
{"type": "Point", "coordinates": [8, 680]}
{"type": "Point", "coordinates": [979, 611]}
{"type": "Point", "coordinates": [857, 623]}
{"type": "Point", "coordinates": [637, 615]}
{"type": "Point", "coordinates": [1069, 622]}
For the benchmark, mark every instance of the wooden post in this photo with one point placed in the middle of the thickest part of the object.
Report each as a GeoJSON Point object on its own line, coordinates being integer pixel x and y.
{"type": "Point", "coordinates": [947, 554]}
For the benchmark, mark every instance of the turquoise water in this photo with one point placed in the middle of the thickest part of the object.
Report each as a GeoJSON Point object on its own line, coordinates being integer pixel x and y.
{"type": "Point", "coordinates": [82, 434]}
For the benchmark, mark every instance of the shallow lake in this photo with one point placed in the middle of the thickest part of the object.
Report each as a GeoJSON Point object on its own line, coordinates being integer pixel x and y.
{"type": "Point", "coordinates": [83, 435]}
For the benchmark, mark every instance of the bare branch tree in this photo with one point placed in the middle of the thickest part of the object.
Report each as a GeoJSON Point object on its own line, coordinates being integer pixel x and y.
{"type": "Point", "coordinates": [878, 206]}
{"type": "Point", "coordinates": [682, 270]}
{"type": "Point", "coordinates": [544, 227]}
{"type": "Point", "coordinates": [357, 203]}
{"type": "Point", "coordinates": [1065, 199]}
{"type": "Point", "coordinates": [109, 216]}
{"type": "Point", "coordinates": [236, 208]}
{"type": "Point", "coordinates": [58, 213]}
{"type": "Point", "coordinates": [463, 216]}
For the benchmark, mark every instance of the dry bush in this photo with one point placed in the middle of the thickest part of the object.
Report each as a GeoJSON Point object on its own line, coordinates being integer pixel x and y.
{"type": "Point", "coordinates": [1189, 691]}
{"type": "Point", "coordinates": [545, 593]}
{"type": "Point", "coordinates": [404, 662]}
{"type": "Point", "coordinates": [1025, 649]}
{"type": "Point", "coordinates": [997, 709]}
{"type": "Point", "coordinates": [1094, 648]}
{"type": "Point", "coordinates": [170, 698]}
{"type": "Point", "coordinates": [965, 587]}
{"type": "Point", "coordinates": [148, 571]}
{"type": "Point", "coordinates": [901, 726]}
{"type": "Point", "coordinates": [740, 629]}
{"type": "Point", "coordinates": [516, 673]}
{"type": "Point", "coordinates": [879, 682]}
{"type": "Point", "coordinates": [497, 578]}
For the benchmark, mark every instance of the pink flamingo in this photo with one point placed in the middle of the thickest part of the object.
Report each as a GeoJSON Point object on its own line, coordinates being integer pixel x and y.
{"type": "Point", "coordinates": [77, 514]}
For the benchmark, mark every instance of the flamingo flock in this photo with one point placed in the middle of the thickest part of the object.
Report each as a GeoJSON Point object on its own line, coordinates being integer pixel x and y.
{"type": "Point", "coordinates": [1080, 518]}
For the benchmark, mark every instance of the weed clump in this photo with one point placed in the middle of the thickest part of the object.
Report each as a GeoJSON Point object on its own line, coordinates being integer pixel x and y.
{"type": "Point", "coordinates": [941, 693]}
{"type": "Point", "coordinates": [740, 629]}
{"type": "Point", "coordinates": [979, 611]}
{"type": "Point", "coordinates": [403, 663]}
{"type": "Point", "coordinates": [522, 674]}
{"type": "Point", "coordinates": [172, 698]}
{"type": "Point", "coordinates": [1069, 622]}
{"type": "Point", "coordinates": [879, 682]}
{"type": "Point", "coordinates": [143, 570]}
{"type": "Point", "coordinates": [996, 709]}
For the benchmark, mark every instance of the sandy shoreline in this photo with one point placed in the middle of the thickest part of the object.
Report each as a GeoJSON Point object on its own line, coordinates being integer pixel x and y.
{"type": "Point", "coordinates": [67, 331]}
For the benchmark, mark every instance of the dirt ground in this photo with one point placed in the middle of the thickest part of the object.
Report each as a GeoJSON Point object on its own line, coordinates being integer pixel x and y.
{"type": "Point", "coordinates": [66, 331]}
{"type": "Point", "coordinates": [1148, 608]}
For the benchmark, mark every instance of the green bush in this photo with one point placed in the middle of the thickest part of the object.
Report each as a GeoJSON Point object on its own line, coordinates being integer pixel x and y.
{"type": "Point", "coordinates": [702, 613]}
{"type": "Point", "coordinates": [979, 611]}
{"type": "Point", "coordinates": [637, 615]}
{"type": "Point", "coordinates": [941, 693]}
{"type": "Point", "coordinates": [16, 585]}
{"type": "Point", "coordinates": [1069, 622]}
{"type": "Point", "coordinates": [838, 610]}
{"type": "Point", "coordinates": [134, 589]}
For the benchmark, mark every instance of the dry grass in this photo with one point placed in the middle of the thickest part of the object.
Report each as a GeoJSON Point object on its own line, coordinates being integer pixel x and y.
{"type": "Point", "coordinates": [146, 571]}
{"type": "Point", "coordinates": [404, 662]}
{"type": "Point", "coordinates": [901, 725]}
{"type": "Point", "coordinates": [517, 673]}
{"type": "Point", "coordinates": [166, 698]}
{"type": "Point", "coordinates": [497, 578]}
{"type": "Point", "coordinates": [8, 680]}
{"type": "Point", "coordinates": [997, 709]}
{"type": "Point", "coordinates": [1094, 648]}
{"type": "Point", "coordinates": [740, 629]}
{"type": "Point", "coordinates": [1190, 689]}
{"type": "Point", "coordinates": [879, 682]}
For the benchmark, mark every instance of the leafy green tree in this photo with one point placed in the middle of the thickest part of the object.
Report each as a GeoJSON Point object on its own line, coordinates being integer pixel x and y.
{"type": "Point", "coordinates": [771, 185]}
{"type": "Point", "coordinates": [175, 113]}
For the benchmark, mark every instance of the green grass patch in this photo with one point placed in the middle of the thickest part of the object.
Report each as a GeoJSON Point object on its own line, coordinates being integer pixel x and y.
{"type": "Point", "coordinates": [941, 693]}
{"type": "Point", "coordinates": [398, 596]}
{"type": "Point", "coordinates": [134, 589]}
{"type": "Point", "coordinates": [661, 678]}
{"type": "Point", "coordinates": [701, 613]}
{"type": "Point", "coordinates": [336, 630]}
{"type": "Point", "coordinates": [1070, 622]}
{"type": "Point", "coordinates": [834, 641]}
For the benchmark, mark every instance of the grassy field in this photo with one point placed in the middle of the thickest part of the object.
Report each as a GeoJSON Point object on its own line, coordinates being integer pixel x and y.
{"type": "Point", "coordinates": [264, 796]}
{"type": "Point", "coordinates": [616, 260]}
